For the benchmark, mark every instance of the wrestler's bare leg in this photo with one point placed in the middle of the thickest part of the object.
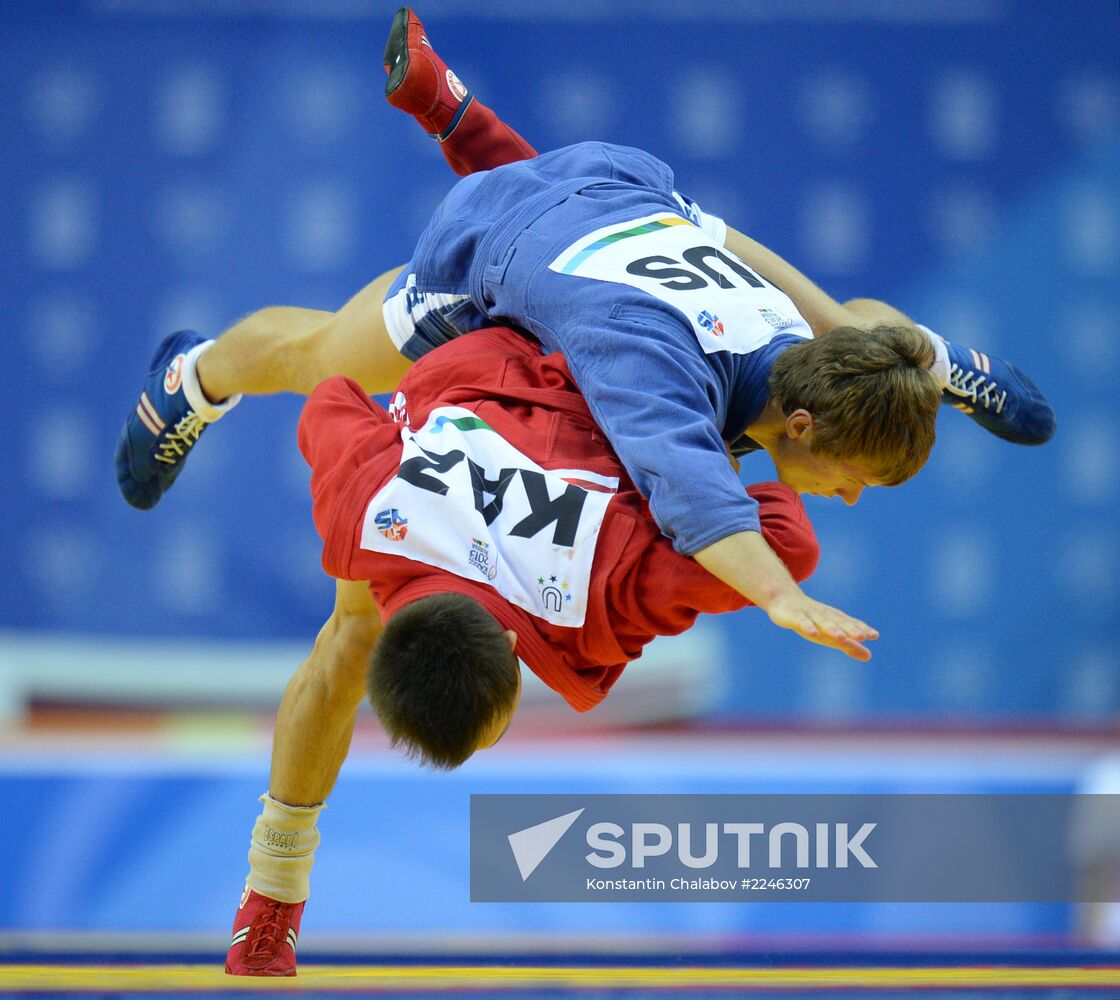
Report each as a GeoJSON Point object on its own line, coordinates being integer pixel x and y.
{"type": "Point", "coordinates": [289, 349]}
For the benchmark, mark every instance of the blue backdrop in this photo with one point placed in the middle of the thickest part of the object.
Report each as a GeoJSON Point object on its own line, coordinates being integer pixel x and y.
{"type": "Point", "coordinates": [182, 163]}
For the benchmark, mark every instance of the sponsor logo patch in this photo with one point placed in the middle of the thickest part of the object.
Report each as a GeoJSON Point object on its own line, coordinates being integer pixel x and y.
{"type": "Point", "coordinates": [710, 322]}
{"type": "Point", "coordinates": [174, 375]}
{"type": "Point", "coordinates": [554, 592]}
{"type": "Point", "coordinates": [479, 557]}
{"type": "Point", "coordinates": [456, 86]}
{"type": "Point", "coordinates": [413, 297]}
{"type": "Point", "coordinates": [392, 524]}
{"type": "Point", "coordinates": [280, 841]}
{"type": "Point", "coordinates": [398, 409]}
{"type": "Point", "coordinates": [775, 319]}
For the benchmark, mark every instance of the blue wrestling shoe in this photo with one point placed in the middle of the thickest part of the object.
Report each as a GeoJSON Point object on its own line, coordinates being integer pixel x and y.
{"type": "Point", "coordinates": [998, 397]}
{"type": "Point", "coordinates": [159, 434]}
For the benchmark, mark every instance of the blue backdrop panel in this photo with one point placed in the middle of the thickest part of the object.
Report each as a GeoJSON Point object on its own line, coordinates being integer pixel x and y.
{"type": "Point", "coordinates": [182, 163]}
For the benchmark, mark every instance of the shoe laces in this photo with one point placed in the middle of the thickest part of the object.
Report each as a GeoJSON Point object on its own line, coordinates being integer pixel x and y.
{"type": "Point", "coordinates": [269, 931]}
{"type": "Point", "coordinates": [181, 439]}
{"type": "Point", "coordinates": [976, 387]}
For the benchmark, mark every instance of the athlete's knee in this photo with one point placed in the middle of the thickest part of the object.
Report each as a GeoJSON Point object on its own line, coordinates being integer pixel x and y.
{"type": "Point", "coordinates": [354, 342]}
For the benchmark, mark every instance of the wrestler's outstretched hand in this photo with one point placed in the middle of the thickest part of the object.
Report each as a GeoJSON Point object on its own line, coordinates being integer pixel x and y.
{"type": "Point", "coordinates": [822, 624]}
{"type": "Point", "coordinates": [745, 562]}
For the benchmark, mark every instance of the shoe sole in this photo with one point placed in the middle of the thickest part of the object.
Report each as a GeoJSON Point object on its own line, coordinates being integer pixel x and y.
{"type": "Point", "coordinates": [396, 51]}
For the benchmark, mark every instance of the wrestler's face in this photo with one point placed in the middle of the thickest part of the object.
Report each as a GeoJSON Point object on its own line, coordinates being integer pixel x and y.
{"type": "Point", "coordinates": [501, 722]}
{"type": "Point", "coordinates": [817, 474]}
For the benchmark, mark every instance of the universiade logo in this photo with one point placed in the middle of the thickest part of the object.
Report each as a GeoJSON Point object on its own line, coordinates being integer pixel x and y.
{"type": "Point", "coordinates": [829, 845]}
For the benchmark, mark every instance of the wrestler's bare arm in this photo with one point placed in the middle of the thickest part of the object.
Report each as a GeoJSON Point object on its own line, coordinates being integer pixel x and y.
{"type": "Point", "coordinates": [821, 311]}
{"type": "Point", "coordinates": [317, 713]}
{"type": "Point", "coordinates": [747, 564]}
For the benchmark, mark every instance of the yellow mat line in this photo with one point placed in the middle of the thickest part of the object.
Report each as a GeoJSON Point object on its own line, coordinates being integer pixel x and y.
{"type": "Point", "coordinates": [98, 978]}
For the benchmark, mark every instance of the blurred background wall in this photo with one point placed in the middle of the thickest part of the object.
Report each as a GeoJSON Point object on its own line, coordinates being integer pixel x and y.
{"type": "Point", "coordinates": [179, 163]}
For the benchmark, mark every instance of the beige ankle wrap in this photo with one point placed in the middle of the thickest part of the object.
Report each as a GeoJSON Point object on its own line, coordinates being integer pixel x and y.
{"type": "Point", "coordinates": [283, 849]}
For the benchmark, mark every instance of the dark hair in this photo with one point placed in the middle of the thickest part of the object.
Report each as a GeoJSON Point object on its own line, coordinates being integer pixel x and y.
{"type": "Point", "coordinates": [870, 392]}
{"type": "Point", "coordinates": [441, 673]}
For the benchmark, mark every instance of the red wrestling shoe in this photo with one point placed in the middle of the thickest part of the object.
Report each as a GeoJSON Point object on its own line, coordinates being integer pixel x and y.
{"type": "Point", "coordinates": [419, 81]}
{"type": "Point", "coordinates": [264, 937]}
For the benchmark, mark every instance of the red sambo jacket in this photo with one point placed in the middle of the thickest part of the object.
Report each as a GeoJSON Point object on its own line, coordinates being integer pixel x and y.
{"type": "Point", "coordinates": [488, 477]}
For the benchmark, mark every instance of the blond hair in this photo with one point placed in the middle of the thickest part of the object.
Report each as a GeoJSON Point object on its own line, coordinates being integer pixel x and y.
{"type": "Point", "coordinates": [871, 394]}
